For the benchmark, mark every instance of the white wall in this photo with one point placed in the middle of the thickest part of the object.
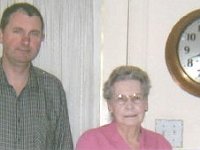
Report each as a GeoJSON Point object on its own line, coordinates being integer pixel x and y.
{"type": "Point", "coordinates": [150, 22]}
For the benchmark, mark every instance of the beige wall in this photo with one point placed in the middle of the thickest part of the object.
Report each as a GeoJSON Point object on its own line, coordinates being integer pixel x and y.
{"type": "Point", "coordinates": [150, 22]}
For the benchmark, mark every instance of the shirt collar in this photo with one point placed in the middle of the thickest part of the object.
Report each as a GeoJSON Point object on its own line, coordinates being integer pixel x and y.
{"type": "Point", "coordinates": [32, 81]}
{"type": "Point", "coordinates": [3, 79]}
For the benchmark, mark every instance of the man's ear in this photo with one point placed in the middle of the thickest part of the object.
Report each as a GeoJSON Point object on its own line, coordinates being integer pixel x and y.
{"type": "Point", "coordinates": [43, 36]}
{"type": "Point", "coordinates": [1, 36]}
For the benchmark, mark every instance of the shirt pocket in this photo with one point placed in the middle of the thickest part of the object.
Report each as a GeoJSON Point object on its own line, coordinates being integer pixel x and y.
{"type": "Point", "coordinates": [43, 132]}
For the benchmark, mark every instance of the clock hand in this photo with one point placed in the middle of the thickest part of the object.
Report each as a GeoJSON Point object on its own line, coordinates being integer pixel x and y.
{"type": "Point", "coordinates": [198, 55]}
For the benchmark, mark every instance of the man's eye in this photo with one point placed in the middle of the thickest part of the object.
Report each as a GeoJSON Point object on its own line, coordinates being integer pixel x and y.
{"type": "Point", "coordinates": [17, 31]}
{"type": "Point", "coordinates": [35, 33]}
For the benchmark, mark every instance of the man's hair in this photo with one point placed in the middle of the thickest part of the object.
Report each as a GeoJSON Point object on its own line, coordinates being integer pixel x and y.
{"type": "Point", "coordinates": [26, 8]}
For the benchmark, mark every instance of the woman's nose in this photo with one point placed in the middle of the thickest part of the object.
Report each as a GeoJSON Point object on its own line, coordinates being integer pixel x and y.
{"type": "Point", "coordinates": [129, 104]}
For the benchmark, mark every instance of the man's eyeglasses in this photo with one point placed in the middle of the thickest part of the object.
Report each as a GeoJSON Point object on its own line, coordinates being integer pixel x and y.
{"type": "Point", "coordinates": [122, 99]}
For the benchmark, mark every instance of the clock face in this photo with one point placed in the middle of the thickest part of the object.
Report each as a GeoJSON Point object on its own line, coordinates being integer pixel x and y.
{"type": "Point", "coordinates": [182, 52]}
{"type": "Point", "coordinates": [189, 50]}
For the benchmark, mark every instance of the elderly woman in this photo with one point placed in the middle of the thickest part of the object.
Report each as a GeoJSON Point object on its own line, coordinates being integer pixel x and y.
{"type": "Point", "coordinates": [126, 92]}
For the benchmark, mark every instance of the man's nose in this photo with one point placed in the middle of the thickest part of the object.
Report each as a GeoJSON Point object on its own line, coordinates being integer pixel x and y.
{"type": "Point", "coordinates": [26, 39]}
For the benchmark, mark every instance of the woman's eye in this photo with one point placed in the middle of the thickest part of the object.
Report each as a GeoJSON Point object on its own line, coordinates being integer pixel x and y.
{"type": "Point", "coordinates": [137, 98]}
{"type": "Point", "coordinates": [120, 96]}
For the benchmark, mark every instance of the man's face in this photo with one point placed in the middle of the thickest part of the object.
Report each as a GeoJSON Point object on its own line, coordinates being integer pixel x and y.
{"type": "Point", "coordinates": [21, 38]}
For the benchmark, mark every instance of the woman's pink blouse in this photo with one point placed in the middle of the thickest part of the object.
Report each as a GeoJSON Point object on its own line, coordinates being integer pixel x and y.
{"type": "Point", "coordinates": [107, 138]}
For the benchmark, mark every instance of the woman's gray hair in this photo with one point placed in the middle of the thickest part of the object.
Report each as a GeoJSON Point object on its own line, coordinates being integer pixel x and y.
{"type": "Point", "coordinates": [126, 73]}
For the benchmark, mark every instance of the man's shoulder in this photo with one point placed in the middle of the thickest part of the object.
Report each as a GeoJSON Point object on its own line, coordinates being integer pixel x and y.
{"type": "Point", "coordinates": [45, 76]}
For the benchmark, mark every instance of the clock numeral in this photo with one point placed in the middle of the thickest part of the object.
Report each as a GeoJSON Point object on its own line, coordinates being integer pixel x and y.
{"type": "Point", "coordinates": [191, 37]}
{"type": "Point", "coordinates": [199, 28]}
{"type": "Point", "coordinates": [186, 49]}
{"type": "Point", "coordinates": [190, 63]}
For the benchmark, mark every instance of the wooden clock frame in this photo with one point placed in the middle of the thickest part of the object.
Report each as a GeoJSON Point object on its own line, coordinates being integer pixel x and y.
{"type": "Point", "coordinates": [171, 55]}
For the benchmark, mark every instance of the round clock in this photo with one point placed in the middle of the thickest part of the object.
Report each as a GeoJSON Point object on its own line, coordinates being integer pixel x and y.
{"type": "Point", "coordinates": [182, 53]}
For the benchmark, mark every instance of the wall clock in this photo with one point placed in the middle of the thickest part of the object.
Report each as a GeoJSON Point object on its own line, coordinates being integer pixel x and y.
{"type": "Point", "coordinates": [182, 53]}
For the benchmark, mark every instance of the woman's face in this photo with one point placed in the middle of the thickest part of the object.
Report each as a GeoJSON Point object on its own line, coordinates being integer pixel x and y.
{"type": "Point", "coordinates": [128, 104]}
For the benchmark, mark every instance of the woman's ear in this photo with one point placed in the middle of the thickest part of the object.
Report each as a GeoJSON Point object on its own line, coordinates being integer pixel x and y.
{"type": "Point", "coordinates": [109, 106]}
{"type": "Point", "coordinates": [146, 106]}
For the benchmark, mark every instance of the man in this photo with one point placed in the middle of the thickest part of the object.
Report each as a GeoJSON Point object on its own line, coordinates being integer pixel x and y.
{"type": "Point", "coordinates": [33, 108]}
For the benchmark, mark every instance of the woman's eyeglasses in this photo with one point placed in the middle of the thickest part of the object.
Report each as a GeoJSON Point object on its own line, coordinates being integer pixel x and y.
{"type": "Point", "coordinates": [122, 99]}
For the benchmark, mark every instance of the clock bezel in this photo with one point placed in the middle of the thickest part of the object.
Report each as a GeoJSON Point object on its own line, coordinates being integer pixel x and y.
{"type": "Point", "coordinates": [171, 55]}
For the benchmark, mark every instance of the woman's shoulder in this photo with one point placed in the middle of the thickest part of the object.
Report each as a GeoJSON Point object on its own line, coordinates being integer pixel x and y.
{"type": "Point", "coordinates": [104, 129]}
{"type": "Point", "coordinates": [150, 133]}
{"type": "Point", "coordinates": [93, 138]}
{"type": "Point", "coordinates": [155, 139]}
